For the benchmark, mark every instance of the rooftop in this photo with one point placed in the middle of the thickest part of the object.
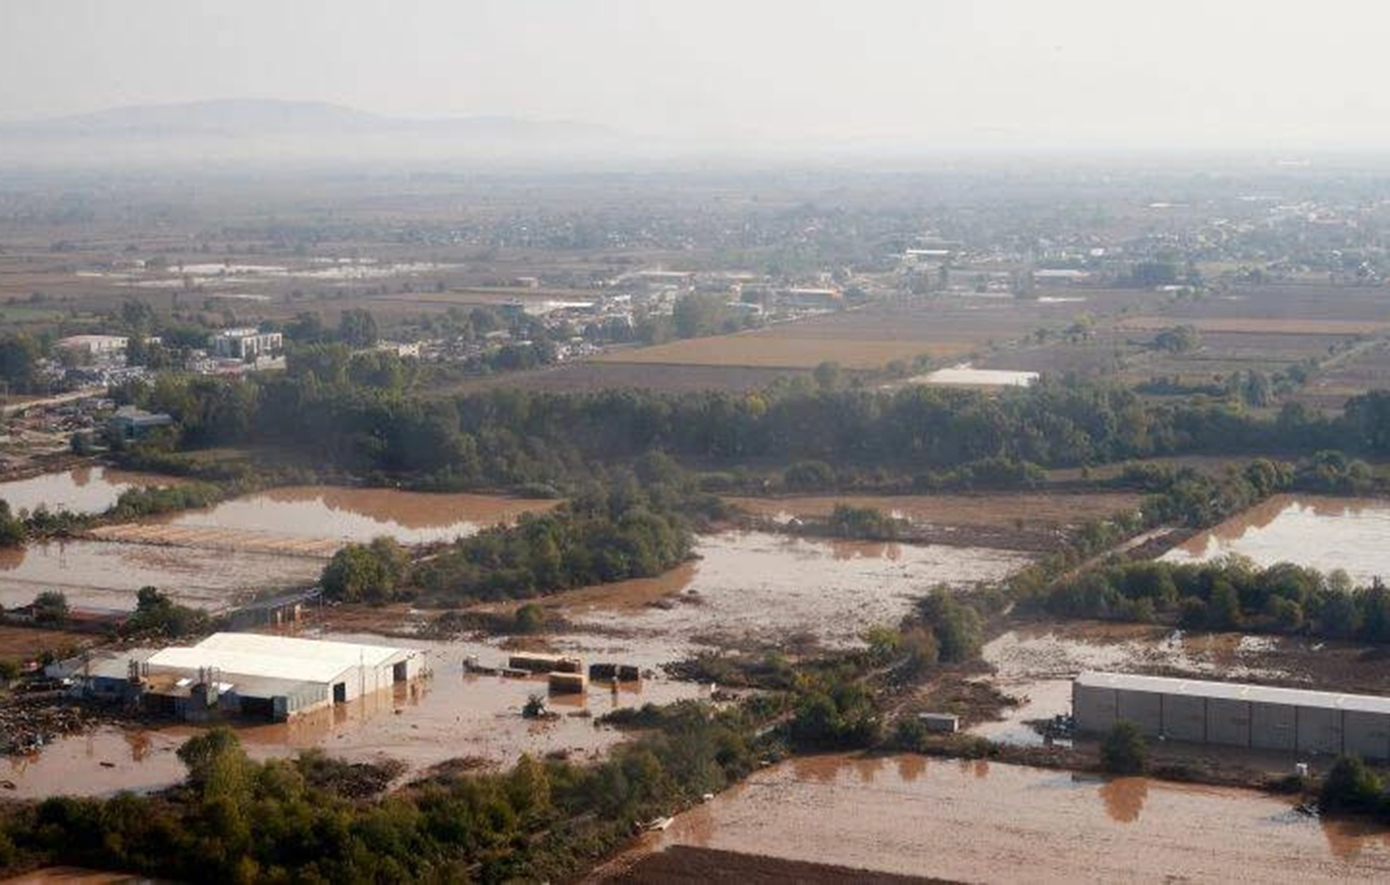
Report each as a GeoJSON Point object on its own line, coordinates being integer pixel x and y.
{"type": "Point", "coordinates": [1236, 691]}
{"type": "Point", "coordinates": [275, 657]}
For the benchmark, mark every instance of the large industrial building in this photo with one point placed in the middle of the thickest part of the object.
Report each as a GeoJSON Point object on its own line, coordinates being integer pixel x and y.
{"type": "Point", "coordinates": [249, 674]}
{"type": "Point", "coordinates": [1234, 714]}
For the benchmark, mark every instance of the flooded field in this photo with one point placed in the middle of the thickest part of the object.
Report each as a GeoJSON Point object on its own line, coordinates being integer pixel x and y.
{"type": "Point", "coordinates": [1050, 511]}
{"type": "Point", "coordinates": [265, 541]}
{"type": "Point", "coordinates": [982, 822]}
{"type": "Point", "coordinates": [87, 489]}
{"type": "Point", "coordinates": [747, 587]}
{"type": "Point", "coordinates": [450, 715]}
{"type": "Point", "coordinates": [759, 587]}
{"type": "Point", "coordinates": [1324, 533]}
{"type": "Point", "coordinates": [1037, 663]}
{"type": "Point", "coordinates": [342, 514]}
{"type": "Point", "coordinates": [107, 574]}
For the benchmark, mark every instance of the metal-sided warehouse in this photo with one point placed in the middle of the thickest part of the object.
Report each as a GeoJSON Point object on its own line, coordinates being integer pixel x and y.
{"type": "Point", "coordinates": [248, 674]}
{"type": "Point", "coordinates": [1234, 714]}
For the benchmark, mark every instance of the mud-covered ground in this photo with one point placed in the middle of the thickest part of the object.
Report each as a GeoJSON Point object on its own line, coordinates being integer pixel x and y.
{"type": "Point", "coordinates": [981, 821]}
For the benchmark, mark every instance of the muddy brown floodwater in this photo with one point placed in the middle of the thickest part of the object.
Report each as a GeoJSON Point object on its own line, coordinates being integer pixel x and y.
{"type": "Point", "coordinates": [761, 587]}
{"type": "Point", "coordinates": [747, 584]}
{"type": "Point", "coordinates": [446, 716]}
{"type": "Point", "coordinates": [107, 574]}
{"type": "Point", "coordinates": [1324, 533]}
{"type": "Point", "coordinates": [360, 514]}
{"type": "Point", "coordinates": [980, 822]}
{"type": "Point", "coordinates": [87, 489]}
{"type": "Point", "coordinates": [260, 542]}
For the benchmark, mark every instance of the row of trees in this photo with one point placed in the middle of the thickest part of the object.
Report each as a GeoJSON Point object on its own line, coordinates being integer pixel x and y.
{"type": "Point", "coordinates": [1229, 594]}
{"type": "Point", "coordinates": [628, 532]}
{"type": "Point", "coordinates": [358, 411]}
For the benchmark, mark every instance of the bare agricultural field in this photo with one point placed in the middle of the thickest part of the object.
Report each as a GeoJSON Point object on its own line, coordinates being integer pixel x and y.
{"type": "Point", "coordinates": [1085, 358]}
{"type": "Point", "coordinates": [946, 327]}
{"type": "Point", "coordinates": [592, 375]}
{"type": "Point", "coordinates": [1293, 301]}
{"type": "Point", "coordinates": [25, 643]}
{"type": "Point", "coordinates": [764, 351]}
{"type": "Point", "coordinates": [1367, 369]}
{"type": "Point", "coordinates": [1257, 325]}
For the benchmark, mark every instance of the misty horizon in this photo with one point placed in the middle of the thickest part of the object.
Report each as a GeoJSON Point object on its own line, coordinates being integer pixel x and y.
{"type": "Point", "coordinates": [883, 77]}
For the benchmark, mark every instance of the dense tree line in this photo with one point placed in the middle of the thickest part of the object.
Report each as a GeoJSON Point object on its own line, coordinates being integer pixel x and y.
{"type": "Point", "coordinates": [1229, 594]}
{"type": "Point", "coordinates": [630, 531]}
{"type": "Point", "coordinates": [362, 412]}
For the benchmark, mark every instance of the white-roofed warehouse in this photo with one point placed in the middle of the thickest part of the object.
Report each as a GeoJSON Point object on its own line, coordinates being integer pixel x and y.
{"type": "Point", "coordinates": [1234, 714]}
{"type": "Point", "coordinates": [274, 677]}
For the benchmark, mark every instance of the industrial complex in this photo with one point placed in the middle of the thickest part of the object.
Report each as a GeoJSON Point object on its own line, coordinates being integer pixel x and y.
{"type": "Point", "coordinates": [248, 674]}
{"type": "Point", "coordinates": [1234, 714]}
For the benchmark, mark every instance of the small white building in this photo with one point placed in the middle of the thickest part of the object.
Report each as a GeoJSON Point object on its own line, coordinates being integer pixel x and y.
{"type": "Point", "coordinates": [245, 343]}
{"type": "Point", "coordinates": [94, 345]}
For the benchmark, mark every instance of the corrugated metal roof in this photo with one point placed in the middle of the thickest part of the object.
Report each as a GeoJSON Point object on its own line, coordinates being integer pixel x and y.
{"type": "Point", "coordinates": [345, 653]}
{"type": "Point", "coordinates": [1236, 691]}
{"type": "Point", "coordinates": [276, 657]}
{"type": "Point", "coordinates": [235, 663]}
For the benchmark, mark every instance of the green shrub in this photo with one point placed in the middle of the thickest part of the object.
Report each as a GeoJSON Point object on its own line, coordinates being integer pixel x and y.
{"type": "Point", "coordinates": [1350, 786]}
{"type": "Point", "coordinates": [1124, 750]}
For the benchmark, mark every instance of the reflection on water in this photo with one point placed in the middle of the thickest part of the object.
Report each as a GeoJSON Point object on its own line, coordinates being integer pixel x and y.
{"type": "Point", "coordinates": [1324, 533]}
{"type": "Point", "coordinates": [360, 514]}
{"type": "Point", "coordinates": [1349, 838]}
{"type": "Point", "coordinates": [1124, 797]}
{"type": "Point", "coordinates": [86, 489]}
{"type": "Point", "coordinates": [992, 822]}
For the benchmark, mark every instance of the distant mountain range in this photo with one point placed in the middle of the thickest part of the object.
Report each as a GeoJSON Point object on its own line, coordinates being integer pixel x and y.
{"type": "Point", "coordinates": [242, 118]}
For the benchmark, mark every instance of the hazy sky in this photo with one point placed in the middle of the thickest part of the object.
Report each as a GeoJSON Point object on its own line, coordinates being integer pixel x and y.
{"type": "Point", "coordinates": [1006, 73]}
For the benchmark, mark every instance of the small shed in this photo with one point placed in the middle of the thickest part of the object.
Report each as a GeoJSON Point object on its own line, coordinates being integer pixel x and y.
{"type": "Point", "coordinates": [940, 723]}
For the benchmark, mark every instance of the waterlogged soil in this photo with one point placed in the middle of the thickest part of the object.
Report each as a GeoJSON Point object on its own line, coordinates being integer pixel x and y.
{"type": "Point", "coordinates": [1323, 533]}
{"type": "Point", "coordinates": [261, 542]}
{"type": "Point", "coordinates": [981, 822]}
{"type": "Point", "coordinates": [83, 490]}
{"type": "Point", "coordinates": [107, 574]}
{"type": "Point", "coordinates": [745, 587]}
{"type": "Point", "coordinates": [448, 715]}
{"type": "Point", "coordinates": [1036, 664]}
{"type": "Point", "coordinates": [1021, 511]}
{"type": "Point", "coordinates": [343, 514]}
{"type": "Point", "coordinates": [757, 588]}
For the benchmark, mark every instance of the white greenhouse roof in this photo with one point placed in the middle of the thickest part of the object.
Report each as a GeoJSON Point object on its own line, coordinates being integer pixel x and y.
{"type": "Point", "coordinates": [1236, 691]}
{"type": "Point", "coordinates": [275, 657]}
